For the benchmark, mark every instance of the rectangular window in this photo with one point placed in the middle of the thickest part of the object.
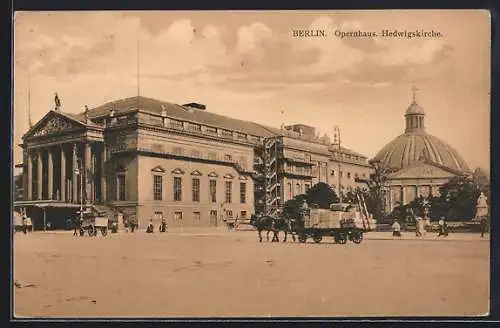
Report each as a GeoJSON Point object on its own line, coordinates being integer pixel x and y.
{"type": "Point", "coordinates": [196, 216]}
{"type": "Point", "coordinates": [243, 214]}
{"type": "Point", "coordinates": [120, 187]}
{"type": "Point", "coordinates": [177, 151]}
{"type": "Point", "coordinates": [158, 216]}
{"type": "Point", "coordinates": [195, 153]}
{"type": "Point", "coordinates": [212, 156]}
{"type": "Point", "coordinates": [348, 175]}
{"type": "Point", "coordinates": [243, 192]}
{"type": "Point", "coordinates": [229, 186]}
{"type": "Point", "coordinates": [229, 213]}
{"type": "Point", "coordinates": [211, 130]}
{"type": "Point", "coordinates": [213, 191]}
{"type": "Point", "coordinates": [178, 216]}
{"type": "Point", "coordinates": [176, 124]}
{"type": "Point", "coordinates": [158, 187]}
{"type": "Point", "coordinates": [307, 186]}
{"type": "Point", "coordinates": [228, 157]}
{"type": "Point", "coordinates": [196, 190]}
{"type": "Point", "coordinates": [177, 189]}
{"type": "Point", "coordinates": [226, 133]}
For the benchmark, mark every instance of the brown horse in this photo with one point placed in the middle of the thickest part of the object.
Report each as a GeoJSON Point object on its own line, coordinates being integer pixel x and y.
{"type": "Point", "coordinates": [264, 222]}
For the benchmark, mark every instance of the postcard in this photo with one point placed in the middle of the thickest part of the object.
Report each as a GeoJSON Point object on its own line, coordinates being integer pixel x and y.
{"type": "Point", "coordinates": [251, 164]}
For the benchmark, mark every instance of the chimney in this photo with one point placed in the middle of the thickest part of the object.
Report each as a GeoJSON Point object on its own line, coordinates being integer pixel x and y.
{"type": "Point", "coordinates": [194, 105]}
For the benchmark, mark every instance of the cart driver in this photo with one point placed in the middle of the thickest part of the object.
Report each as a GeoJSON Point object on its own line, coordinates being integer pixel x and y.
{"type": "Point", "coordinates": [304, 207]}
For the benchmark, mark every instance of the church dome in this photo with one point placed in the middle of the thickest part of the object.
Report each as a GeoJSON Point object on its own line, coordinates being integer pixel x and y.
{"type": "Point", "coordinates": [415, 146]}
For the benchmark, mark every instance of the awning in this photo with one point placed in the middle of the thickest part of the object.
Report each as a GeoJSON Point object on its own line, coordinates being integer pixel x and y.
{"type": "Point", "coordinates": [44, 204]}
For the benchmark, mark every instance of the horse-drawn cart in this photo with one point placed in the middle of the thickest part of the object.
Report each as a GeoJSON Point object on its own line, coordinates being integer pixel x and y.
{"type": "Point", "coordinates": [92, 224]}
{"type": "Point", "coordinates": [342, 221]}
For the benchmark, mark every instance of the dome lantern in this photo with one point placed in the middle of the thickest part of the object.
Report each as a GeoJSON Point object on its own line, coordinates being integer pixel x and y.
{"type": "Point", "coordinates": [414, 115]}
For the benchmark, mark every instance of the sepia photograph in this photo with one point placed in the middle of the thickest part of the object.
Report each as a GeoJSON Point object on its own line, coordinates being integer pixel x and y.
{"type": "Point", "coordinates": [250, 164]}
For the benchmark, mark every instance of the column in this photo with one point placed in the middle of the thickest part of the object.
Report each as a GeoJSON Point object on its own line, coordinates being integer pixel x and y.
{"type": "Point", "coordinates": [88, 157]}
{"type": "Point", "coordinates": [63, 174]}
{"type": "Point", "coordinates": [402, 195]}
{"type": "Point", "coordinates": [39, 176]}
{"type": "Point", "coordinates": [74, 179]}
{"type": "Point", "coordinates": [50, 175]}
{"type": "Point", "coordinates": [104, 158]}
{"type": "Point", "coordinates": [29, 184]}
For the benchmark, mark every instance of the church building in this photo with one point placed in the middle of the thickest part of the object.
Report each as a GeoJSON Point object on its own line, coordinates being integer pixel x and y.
{"type": "Point", "coordinates": [417, 162]}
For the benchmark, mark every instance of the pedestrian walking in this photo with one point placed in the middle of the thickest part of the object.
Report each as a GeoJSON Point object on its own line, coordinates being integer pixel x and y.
{"type": "Point", "coordinates": [396, 230]}
{"type": "Point", "coordinates": [24, 224]}
{"type": "Point", "coordinates": [76, 222]}
{"type": "Point", "coordinates": [484, 226]}
{"type": "Point", "coordinates": [418, 227]}
{"type": "Point", "coordinates": [443, 228]}
{"type": "Point", "coordinates": [163, 225]}
{"type": "Point", "coordinates": [150, 228]}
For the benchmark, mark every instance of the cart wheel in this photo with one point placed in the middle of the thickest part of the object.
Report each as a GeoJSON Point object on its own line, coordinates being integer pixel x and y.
{"type": "Point", "coordinates": [357, 237]}
{"type": "Point", "coordinates": [104, 231]}
{"type": "Point", "coordinates": [342, 238]}
{"type": "Point", "coordinates": [302, 238]}
{"type": "Point", "coordinates": [317, 238]}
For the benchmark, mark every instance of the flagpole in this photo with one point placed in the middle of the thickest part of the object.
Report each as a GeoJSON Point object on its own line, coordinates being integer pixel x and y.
{"type": "Point", "coordinates": [30, 124]}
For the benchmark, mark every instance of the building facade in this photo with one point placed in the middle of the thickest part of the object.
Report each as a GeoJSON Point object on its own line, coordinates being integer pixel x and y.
{"type": "Point", "coordinates": [147, 159]}
{"type": "Point", "coordinates": [417, 163]}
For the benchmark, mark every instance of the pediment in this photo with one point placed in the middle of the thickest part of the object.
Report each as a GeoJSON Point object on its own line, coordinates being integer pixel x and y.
{"type": "Point", "coordinates": [178, 171]}
{"type": "Point", "coordinates": [423, 170]}
{"type": "Point", "coordinates": [53, 123]}
{"type": "Point", "coordinates": [213, 175]}
{"type": "Point", "coordinates": [243, 178]}
{"type": "Point", "coordinates": [196, 172]}
{"type": "Point", "coordinates": [228, 176]}
{"type": "Point", "coordinates": [158, 169]}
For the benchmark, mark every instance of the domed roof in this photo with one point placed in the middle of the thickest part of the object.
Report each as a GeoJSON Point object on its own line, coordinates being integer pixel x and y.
{"type": "Point", "coordinates": [414, 108]}
{"type": "Point", "coordinates": [414, 147]}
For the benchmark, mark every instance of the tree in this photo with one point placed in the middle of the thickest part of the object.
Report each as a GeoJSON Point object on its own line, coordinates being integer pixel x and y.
{"type": "Point", "coordinates": [375, 194]}
{"type": "Point", "coordinates": [322, 195]}
{"type": "Point", "coordinates": [482, 181]}
{"type": "Point", "coordinates": [458, 198]}
{"type": "Point", "coordinates": [292, 206]}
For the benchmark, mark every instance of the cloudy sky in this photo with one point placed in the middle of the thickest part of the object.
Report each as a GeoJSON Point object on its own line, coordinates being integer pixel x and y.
{"type": "Point", "coordinates": [247, 65]}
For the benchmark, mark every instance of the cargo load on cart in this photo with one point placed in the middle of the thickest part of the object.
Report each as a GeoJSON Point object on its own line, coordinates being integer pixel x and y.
{"type": "Point", "coordinates": [342, 221]}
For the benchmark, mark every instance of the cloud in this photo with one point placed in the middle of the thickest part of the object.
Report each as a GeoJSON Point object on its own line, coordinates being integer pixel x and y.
{"type": "Point", "coordinates": [260, 58]}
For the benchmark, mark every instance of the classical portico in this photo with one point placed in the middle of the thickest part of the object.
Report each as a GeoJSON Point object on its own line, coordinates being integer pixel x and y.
{"type": "Point", "coordinates": [420, 179]}
{"type": "Point", "coordinates": [59, 153]}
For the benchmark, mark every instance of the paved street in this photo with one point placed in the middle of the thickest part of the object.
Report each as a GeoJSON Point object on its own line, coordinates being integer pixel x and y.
{"type": "Point", "coordinates": [214, 272]}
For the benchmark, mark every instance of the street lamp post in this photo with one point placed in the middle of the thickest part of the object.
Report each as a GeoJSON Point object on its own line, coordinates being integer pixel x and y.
{"type": "Point", "coordinates": [337, 137]}
{"type": "Point", "coordinates": [79, 172]}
